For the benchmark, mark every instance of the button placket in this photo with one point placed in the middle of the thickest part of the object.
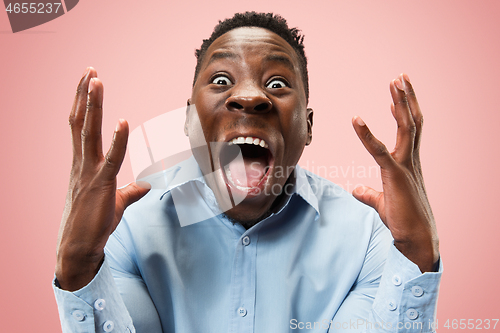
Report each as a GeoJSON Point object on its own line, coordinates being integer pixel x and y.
{"type": "Point", "coordinates": [243, 287]}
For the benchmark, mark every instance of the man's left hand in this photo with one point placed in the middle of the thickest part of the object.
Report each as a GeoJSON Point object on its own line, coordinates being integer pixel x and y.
{"type": "Point", "coordinates": [403, 205]}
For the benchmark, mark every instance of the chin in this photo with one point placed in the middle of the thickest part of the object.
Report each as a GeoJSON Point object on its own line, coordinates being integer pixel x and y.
{"type": "Point", "coordinates": [246, 220]}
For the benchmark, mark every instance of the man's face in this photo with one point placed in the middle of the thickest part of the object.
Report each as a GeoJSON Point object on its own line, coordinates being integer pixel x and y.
{"type": "Point", "coordinates": [249, 94]}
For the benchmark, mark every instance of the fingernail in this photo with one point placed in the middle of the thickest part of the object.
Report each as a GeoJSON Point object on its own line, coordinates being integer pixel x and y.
{"type": "Point", "coordinates": [360, 121]}
{"type": "Point", "coordinates": [359, 190]}
{"type": "Point", "coordinates": [86, 71]}
{"type": "Point", "coordinates": [406, 78]}
{"type": "Point", "coordinates": [91, 85]}
{"type": "Point", "coordinates": [398, 84]}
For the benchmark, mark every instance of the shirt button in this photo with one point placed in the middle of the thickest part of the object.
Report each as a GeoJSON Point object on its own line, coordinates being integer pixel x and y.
{"type": "Point", "coordinates": [246, 240]}
{"type": "Point", "coordinates": [242, 312]}
{"type": "Point", "coordinates": [108, 326]}
{"type": "Point", "coordinates": [78, 315]}
{"type": "Point", "coordinates": [412, 314]}
{"type": "Point", "coordinates": [392, 305]}
{"type": "Point", "coordinates": [396, 280]}
{"type": "Point", "coordinates": [100, 304]}
{"type": "Point", "coordinates": [417, 291]}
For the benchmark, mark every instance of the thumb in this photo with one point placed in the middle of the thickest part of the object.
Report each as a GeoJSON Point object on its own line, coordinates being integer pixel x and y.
{"type": "Point", "coordinates": [133, 192]}
{"type": "Point", "coordinates": [368, 196]}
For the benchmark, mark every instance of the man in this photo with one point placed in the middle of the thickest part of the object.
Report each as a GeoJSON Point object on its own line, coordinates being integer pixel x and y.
{"type": "Point", "coordinates": [307, 256]}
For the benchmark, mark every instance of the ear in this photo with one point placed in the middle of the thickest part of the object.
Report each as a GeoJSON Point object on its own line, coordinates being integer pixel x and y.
{"type": "Point", "coordinates": [186, 123]}
{"type": "Point", "coordinates": [309, 126]}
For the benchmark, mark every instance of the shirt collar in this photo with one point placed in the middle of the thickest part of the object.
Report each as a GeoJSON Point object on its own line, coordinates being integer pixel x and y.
{"type": "Point", "coordinates": [182, 173]}
{"type": "Point", "coordinates": [303, 188]}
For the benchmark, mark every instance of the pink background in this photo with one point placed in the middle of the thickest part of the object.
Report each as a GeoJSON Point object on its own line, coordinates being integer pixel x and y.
{"type": "Point", "coordinates": [144, 56]}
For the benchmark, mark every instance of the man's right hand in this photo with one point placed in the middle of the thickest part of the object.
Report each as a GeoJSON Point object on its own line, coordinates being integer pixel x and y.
{"type": "Point", "coordinates": [93, 206]}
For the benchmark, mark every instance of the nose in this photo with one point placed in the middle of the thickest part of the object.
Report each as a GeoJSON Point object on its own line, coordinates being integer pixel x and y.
{"type": "Point", "coordinates": [248, 97]}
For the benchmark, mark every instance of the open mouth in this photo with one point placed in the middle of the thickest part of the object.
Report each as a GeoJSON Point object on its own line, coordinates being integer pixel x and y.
{"type": "Point", "coordinates": [246, 162]}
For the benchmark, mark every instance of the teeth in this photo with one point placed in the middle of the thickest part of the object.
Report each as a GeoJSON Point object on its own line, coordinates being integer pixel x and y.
{"type": "Point", "coordinates": [249, 140]}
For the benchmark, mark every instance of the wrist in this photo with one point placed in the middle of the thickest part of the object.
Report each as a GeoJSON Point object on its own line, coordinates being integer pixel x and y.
{"type": "Point", "coordinates": [424, 253]}
{"type": "Point", "coordinates": [73, 272]}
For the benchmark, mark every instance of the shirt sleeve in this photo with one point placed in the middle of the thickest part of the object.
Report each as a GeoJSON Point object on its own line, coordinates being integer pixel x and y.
{"type": "Point", "coordinates": [406, 300]}
{"type": "Point", "coordinates": [401, 299]}
{"type": "Point", "coordinates": [97, 307]}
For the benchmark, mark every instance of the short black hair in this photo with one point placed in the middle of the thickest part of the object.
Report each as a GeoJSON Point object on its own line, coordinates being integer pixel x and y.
{"type": "Point", "coordinates": [272, 22]}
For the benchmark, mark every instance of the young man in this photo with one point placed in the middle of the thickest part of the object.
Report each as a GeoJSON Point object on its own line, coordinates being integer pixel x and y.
{"type": "Point", "coordinates": [284, 249]}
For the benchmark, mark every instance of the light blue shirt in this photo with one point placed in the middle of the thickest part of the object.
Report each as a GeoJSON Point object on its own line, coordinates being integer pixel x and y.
{"type": "Point", "coordinates": [322, 262]}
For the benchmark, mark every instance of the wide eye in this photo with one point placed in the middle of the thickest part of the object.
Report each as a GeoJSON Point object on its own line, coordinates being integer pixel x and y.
{"type": "Point", "coordinates": [222, 81]}
{"type": "Point", "coordinates": [276, 83]}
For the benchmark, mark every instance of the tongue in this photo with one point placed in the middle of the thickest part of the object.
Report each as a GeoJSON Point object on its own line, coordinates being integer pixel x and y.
{"type": "Point", "coordinates": [247, 172]}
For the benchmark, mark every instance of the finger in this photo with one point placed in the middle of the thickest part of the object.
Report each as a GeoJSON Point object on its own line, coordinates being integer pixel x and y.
{"type": "Point", "coordinates": [416, 113]}
{"type": "Point", "coordinates": [376, 148]}
{"type": "Point", "coordinates": [369, 197]}
{"type": "Point", "coordinates": [116, 153]}
{"type": "Point", "coordinates": [393, 111]}
{"type": "Point", "coordinates": [77, 114]}
{"type": "Point", "coordinates": [132, 192]}
{"type": "Point", "coordinates": [91, 131]}
{"type": "Point", "coordinates": [405, 137]}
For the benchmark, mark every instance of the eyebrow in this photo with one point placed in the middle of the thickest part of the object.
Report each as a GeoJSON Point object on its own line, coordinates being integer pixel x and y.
{"type": "Point", "coordinates": [270, 58]}
{"type": "Point", "coordinates": [280, 59]}
{"type": "Point", "coordinates": [222, 55]}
